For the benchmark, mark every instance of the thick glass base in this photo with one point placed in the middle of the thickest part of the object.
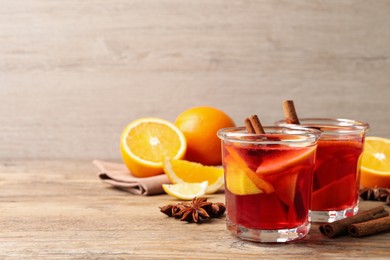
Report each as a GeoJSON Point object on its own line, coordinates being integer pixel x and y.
{"type": "Point", "coordinates": [269, 236]}
{"type": "Point", "coordinates": [333, 215]}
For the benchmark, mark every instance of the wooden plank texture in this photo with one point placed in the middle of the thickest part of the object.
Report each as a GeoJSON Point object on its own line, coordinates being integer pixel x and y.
{"type": "Point", "coordinates": [60, 210]}
{"type": "Point", "coordinates": [74, 73]}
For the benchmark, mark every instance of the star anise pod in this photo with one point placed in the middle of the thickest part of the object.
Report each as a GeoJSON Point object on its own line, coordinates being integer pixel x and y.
{"type": "Point", "coordinates": [179, 207]}
{"type": "Point", "coordinates": [217, 209]}
{"type": "Point", "coordinates": [376, 194]}
{"type": "Point", "coordinates": [195, 211]}
{"type": "Point", "coordinates": [168, 209]}
{"type": "Point", "coordinates": [172, 209]}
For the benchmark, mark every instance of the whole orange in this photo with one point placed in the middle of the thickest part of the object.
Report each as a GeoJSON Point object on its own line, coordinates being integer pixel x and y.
{"type": "Point", "coordinates": [200, 125]}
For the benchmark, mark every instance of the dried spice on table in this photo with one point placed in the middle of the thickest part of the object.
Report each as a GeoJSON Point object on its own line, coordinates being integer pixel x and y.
{"type": "Point", "coordinates": [199, 209]}
{"type": "Point", "coordinates": [376, 194]}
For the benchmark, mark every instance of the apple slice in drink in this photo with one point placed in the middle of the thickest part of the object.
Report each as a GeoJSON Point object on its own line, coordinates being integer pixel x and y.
{"type": "Point", "coordinates": [282, 171]}
{"type": "Point", "coordinates": [285, 185]}
{"type": "Point", "coordinates": [333, 194]}
{"type": "Point", "coordinates": [284, 161]}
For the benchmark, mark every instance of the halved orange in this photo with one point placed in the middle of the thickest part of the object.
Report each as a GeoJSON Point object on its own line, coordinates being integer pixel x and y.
{"type": "Point", "coordinates": [183, 171]}
{"type": "Point", "coordinates": [375, 163]}
{"type": "Point", "coordinates": [147, 141]}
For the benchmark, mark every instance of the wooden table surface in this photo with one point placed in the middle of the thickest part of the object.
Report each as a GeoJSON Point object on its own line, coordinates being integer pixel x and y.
{"type": "Point", "coordinates": [60, 209]}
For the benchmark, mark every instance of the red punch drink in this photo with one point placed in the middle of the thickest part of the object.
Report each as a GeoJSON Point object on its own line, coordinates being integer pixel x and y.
{"type": "Point", "coordinates": [268, 180]}
{"type": "Point", "coordinates": [336, 177]}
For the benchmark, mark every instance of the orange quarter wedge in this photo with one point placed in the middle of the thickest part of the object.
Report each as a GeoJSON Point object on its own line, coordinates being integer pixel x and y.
{"type": "Point", "coordinates": [186, 191]}
{"type": "Point", "coordinates": [147, 141]}
{"type": "Point", "coordinates": [183, 171]}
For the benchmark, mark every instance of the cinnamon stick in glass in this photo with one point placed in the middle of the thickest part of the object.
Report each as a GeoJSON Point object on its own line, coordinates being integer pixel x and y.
{"type": "Point", "coordinates": [253, 125]}
{"type": "Point", "coordinates": [290, 113]}
{"type": "Point", "coordinates": [340, 227]}
{"type": "Point", "coordinates": [248, 126]}
{"type": "Point", "coordinates": [369, 227]}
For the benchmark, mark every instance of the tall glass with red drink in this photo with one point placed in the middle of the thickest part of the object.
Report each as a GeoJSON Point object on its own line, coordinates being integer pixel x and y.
{"type": "Point", "coordinates": [268, 180]}
{"type": "Point", "coordinates": [336, 177]}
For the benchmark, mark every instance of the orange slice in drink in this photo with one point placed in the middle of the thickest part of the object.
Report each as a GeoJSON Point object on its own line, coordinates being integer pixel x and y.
{"type": "Point", "coordinates": [255, 178]}
{"type": "Point", "coordinates": [284, 161]}
{"type": "Point", "coordinates": [375, 163]}
{"type": "Point", "coordinates": [237, 181]}
{"type": "Point", "coordinates": [280, 174]}
{"type": "Point", "coordinates": [183, 171]}
{"type": "Point", "coordinates": [147, 141]}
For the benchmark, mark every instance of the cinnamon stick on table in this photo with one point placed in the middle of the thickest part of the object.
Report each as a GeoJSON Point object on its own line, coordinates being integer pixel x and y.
{"type": "Point", "coordinates": [340, 227]}
{"type": "Point", "coordinates": [369, 227]}
{"type": "Point", "coordinates": [290, 113]}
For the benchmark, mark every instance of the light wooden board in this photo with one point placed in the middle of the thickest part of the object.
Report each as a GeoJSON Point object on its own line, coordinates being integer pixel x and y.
{"type": "Point", "coordinates": [61, 210]}
{"type": "Point", "coordinates": [73, 74]}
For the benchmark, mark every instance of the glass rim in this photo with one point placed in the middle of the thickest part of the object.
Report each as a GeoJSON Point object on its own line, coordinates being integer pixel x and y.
{"type": "Point", "coordinates": [239, 134]}
{"type": "Point", "coordinates": [344, 126]}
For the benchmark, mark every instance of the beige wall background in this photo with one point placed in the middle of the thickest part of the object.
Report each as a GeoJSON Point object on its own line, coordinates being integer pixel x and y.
{"type": "Point", "coordinates": [74, 73]}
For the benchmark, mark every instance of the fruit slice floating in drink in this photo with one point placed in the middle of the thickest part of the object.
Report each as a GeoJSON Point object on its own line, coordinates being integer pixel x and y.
{"type": "Point", "coordinates": [285, 185]}
{"type": "Point", "coordinates": [284, 161]}
{"type": "Point", "coordinates": [237, 181]}
{"type": "Point", "coordinates": [329, 197]}
{"type": "Point", "coordinates": [255, 178]}
{"type": "Point", "coordinates": [336, 175]}
{"type": "Point", "coordinates": [282, 171]}
{"type": "Point", "coordinates": [271, 183]}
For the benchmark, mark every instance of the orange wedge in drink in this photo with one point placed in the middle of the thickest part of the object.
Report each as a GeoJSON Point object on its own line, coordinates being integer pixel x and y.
{"type": "Point", "coordinates": [147, 141]}
{"type": "Point", "coordinates": [237, 180]}
{"type": "Point", "coordinates": [255, 178]}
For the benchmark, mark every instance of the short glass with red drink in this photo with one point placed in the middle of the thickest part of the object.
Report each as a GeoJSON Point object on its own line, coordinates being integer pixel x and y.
{"type": "Point", "coordinates": [336, 177]}
{"type": "Point", "coordinates": [268, 180]}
